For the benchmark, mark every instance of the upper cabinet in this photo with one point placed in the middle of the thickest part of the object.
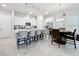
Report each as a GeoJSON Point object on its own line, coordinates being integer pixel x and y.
{"type": "Point", "coordinates": [71, 22]}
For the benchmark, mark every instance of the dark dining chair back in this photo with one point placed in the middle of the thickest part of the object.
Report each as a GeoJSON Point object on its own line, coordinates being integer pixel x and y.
{"type": "Point", "coordinates": [56, 33]}
{"type": "Point", "coordinates": [71, 36]}
{"type": "Point", "coordinates": [56, 36]}
{"type": "Point", "coordinates": [74, 32]}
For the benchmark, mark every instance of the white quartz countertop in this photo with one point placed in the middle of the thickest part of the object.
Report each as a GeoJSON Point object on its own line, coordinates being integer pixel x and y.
{"type": "Point", "coordinates": [17, 30]}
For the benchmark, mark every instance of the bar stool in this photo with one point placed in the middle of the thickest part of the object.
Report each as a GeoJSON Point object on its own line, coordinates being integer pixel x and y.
{"type": "Point", "coordinates": [32, 36]}
{"type": "Point", "coordinates": [22, 38]}
{"type": "Point", "coordinates": [39, 34]}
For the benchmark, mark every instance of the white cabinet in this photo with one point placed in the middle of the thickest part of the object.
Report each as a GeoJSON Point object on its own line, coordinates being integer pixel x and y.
{"type": "Point", "coordinates": [5, 24]}
{"type": "Point", "coordinates": [71, 22]}
{"type": "Point", "coordinates": [58, 24]}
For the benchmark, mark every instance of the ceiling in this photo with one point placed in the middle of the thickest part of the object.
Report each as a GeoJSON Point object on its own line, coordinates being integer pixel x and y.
{"type": "Point", "coordinates": [36, 9]}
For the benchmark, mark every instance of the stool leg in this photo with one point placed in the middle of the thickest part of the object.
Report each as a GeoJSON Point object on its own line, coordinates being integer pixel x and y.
{"type": "Point", "coordinates": [18, 45]}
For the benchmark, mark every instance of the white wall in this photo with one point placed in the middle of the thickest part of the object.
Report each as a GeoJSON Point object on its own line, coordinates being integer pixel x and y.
{"type": "Point", "coordinates": [5, 24]}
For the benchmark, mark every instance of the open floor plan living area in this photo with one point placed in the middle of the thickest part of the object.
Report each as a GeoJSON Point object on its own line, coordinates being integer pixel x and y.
{"type": "Point", "coordinates": [39, 29]}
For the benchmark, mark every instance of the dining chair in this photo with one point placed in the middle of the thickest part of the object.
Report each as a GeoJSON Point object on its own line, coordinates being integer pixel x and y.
{"type": "Point", "coordinates": [71, 36]}
{"type": "Point", "coordinates": [55, 34]}
{"type": "Point", "coordinates": [22, 38]}
{"type": "Point", "coordinates": [77, 37]}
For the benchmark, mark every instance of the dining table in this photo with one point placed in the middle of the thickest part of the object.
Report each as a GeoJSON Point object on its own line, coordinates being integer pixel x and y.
{"type": "Point", "coordinates": [62, 36]}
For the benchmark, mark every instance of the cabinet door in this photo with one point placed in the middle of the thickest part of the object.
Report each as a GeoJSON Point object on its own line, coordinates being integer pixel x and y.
{"type": "Point", "coordinates": [5, 25]}
{"type": "Point", "coordinates": [71, 22]}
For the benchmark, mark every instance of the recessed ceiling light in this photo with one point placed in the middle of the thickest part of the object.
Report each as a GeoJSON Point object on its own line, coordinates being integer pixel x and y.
{"type": "Point", "coordinates": [30, 12]}
{"type": "Point", "coordinates": [3, 5]}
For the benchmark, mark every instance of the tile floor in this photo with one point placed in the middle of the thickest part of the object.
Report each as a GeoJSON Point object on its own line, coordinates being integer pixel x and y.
{"type": "Point", "coordinates": [41, 48]}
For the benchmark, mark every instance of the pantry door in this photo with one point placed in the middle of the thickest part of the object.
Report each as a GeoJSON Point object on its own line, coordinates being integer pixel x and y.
{"type": "Point", "coordinates": [5, 24]}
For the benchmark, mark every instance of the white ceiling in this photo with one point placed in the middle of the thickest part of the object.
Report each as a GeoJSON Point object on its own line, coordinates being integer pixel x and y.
{"type": "Point", "coordinates": [39, 8]}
